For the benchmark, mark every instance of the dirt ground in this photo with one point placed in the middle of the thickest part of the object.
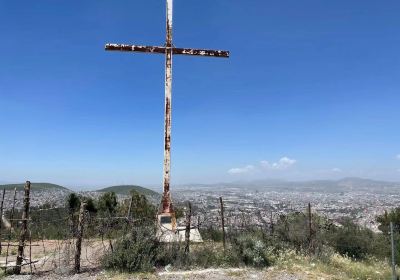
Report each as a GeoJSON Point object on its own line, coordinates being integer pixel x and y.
{"type": "Point", "coordinates": [54, 259]}
{"type": "Point", "coordinates": [217, 274]}
{"type": "Point", "coordinates": [54, 255]}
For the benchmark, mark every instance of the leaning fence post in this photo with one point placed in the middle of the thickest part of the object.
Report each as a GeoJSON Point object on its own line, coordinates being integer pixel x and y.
{"type": "Point", "coordinates": [188, 223]}
{"type": "Point", "coordinates": [1, 217]}
{"type": "Point", "coordinates": [79, 237]}
{"type": "Point", "coordinates": [24, 230]}
{"type": "Point", "coordinates": [222, 222]}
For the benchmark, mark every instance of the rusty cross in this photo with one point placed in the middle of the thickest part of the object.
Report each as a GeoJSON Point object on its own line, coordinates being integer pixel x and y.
{"type": "Point", "coordinates": [166, 208]}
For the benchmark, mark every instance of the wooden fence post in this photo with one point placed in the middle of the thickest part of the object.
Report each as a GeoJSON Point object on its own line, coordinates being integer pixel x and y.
{"type": "Point", "coordinates": [271, 220]}
{"type": "Point", "coordinates": [188, 224]}
{"type": "Point", "coordinates": [310, 221]}
{"type": "Point", "coordinates": [79, 237]}
{"type": "Point", "coordinates": [393, 247]}
{"type": "Point", "coordinates": [24, 230]}
{"type": "Point", "coordinates": [1, 217]}
{"type": "Point", "coordinates": [11, 227]}
{"type": "Point", "coordinates": [311, 233]}
{"type": "Point", "coordinates": [222, 222]}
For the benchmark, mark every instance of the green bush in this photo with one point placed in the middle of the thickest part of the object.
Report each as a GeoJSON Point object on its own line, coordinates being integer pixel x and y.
{"type": "Point", "coordinates": [171, 254]}
{"type": "Point", "coordinates": [208, 255]}
{"type": "Point", "coordinates": [136, 252]}
{"type": "Point", "coordinates": [211, 234]}
{"type": "Point", "coordinates": [252, 250]}
{"type": "Point", "coordinates": [202, 255]}
{"type": "Point", "coordinates": [352, 240]}
{"type": "Point", "coordinates": [384, 220]}
{"type": "Point", "coordinates": [141, 251]}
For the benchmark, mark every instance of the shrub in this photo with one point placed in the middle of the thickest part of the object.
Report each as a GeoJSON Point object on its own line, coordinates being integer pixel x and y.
{"type": "Point", "coordinates": [141, 251]}
{"type": "Point", "coordinates": [170, 254]}
{"type": "Point", "coordinates": [211, 234]}
{"type": "Point", "coordinates": [136, 252]}
{"type": "Point", "coordinates": [351, 240]}
{"type": "Point", "coordinates": [208, 255]}
{"type": "Point", "coordinates": [251, 250]}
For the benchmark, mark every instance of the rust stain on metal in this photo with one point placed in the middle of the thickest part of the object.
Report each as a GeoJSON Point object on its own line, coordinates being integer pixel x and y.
{"type": "Point", "coordinates": [167, 204]}
{"type": "Point", "coordinates": [163, 50]}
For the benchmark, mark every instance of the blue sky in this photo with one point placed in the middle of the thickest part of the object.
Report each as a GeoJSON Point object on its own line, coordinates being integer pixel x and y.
{"type": "Point", "coordinates": [311, 91]}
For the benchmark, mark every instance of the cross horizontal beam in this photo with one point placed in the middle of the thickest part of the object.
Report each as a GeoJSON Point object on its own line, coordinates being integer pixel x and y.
{"type": "Point", "coordinates": [159, 49]}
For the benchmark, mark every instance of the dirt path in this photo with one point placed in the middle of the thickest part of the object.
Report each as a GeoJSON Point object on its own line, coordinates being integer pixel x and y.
{"type": "Point", "coordinates": [215, 274]}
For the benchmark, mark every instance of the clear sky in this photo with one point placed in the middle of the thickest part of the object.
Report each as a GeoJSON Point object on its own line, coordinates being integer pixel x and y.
{"type": "Point", "coordinates": [311, 91]}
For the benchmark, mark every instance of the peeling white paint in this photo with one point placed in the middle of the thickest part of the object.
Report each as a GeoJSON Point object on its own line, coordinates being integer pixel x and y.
{"type": "Point", "coordinates": [169, 11]}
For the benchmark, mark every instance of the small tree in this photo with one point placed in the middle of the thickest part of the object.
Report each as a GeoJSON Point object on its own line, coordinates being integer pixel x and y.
{"type": "Point", "coordinates": [73, 204]}
{"type": "Point", "coordinates": [141, 208]}
{"type": "Point", "coordinates": [352, 240]}
{"type": "Point", "coordinates": [387, 217]}
{"type": "Point", "coordinates": [107, 204]}
{"type": "Point", "coordinates": [107, 207]}
{"type": "Point", "coordinates": [90, 205]}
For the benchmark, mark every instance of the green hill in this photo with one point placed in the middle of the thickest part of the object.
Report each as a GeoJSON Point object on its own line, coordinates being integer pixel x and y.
{"type": "Point", "coordinates": [125, 189]}
{"type": "Point", "coordinates": [34, 187]}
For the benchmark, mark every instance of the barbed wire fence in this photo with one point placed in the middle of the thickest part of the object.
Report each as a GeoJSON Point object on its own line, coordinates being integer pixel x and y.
{"type": "Point", "coordinates": [53, 239]}
{"type": "Point", "coordinates": [36, 240]}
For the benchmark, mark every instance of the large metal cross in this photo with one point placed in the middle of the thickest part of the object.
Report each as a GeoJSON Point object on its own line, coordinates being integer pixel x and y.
{"type": "Point", "coordinates": [166, 211]}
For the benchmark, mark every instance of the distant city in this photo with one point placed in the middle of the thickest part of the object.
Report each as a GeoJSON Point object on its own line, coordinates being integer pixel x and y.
{"type": "Point", "coordinates": [261, 202]}
{"type": "Point", "coordinates": [359, 199]}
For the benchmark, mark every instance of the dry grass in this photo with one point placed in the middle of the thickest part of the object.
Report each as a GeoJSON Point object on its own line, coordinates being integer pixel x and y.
{"type": "Point", "coordinates": [334, 268]}
{"type": "Point", "coordinates": [288, 265]}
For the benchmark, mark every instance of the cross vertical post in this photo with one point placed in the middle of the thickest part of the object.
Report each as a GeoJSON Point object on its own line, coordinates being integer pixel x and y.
{"type": "Point", "coordinates": [166, 202]}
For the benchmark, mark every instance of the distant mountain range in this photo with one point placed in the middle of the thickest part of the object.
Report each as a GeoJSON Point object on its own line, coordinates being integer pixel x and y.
{"type": "Point", "coordinates": [125, 189]}
{"type": "Point", "coordinates": [342, 185]}
{"type": "Point", "coordinates": [34, 187]}
{"type": "Point", "coordinates": [122, 189]}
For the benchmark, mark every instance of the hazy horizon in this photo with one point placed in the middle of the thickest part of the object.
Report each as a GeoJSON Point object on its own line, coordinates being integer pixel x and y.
{"type": "Point", "coordinates": [77, 187]}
